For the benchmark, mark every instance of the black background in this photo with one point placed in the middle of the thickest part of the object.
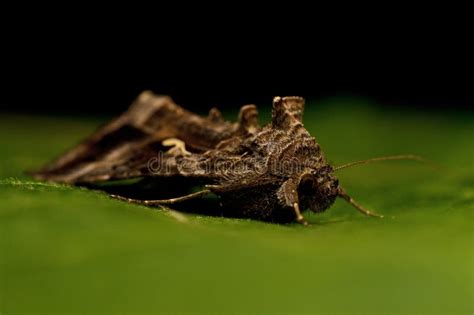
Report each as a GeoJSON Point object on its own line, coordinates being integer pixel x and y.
{"type": "Point", "coordinates": [50, 70]}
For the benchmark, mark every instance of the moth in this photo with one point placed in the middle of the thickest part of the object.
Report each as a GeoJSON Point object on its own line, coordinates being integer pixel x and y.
{"type": "Point", "coordinates": [272, 173]}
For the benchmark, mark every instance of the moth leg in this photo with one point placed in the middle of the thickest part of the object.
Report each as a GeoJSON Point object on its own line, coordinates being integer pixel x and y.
{"type": "Point", "coordinates": [299, 217]}
{"type": "Point", "coordinates": [176, 144]}
{"type": "Point", "coordinates": [164, 201]}
{"type": "Point", "coordinates": [288, 197]}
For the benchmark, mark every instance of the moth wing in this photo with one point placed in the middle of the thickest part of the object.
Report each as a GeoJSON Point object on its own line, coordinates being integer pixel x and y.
{"type": "Point", "coordinates": [129, 160]}
{"type": "Point", "coordinates": [130, 140]}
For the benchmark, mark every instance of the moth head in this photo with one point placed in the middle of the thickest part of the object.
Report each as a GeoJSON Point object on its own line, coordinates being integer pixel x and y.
{"type": "Point", "coordinates": [318, 189]}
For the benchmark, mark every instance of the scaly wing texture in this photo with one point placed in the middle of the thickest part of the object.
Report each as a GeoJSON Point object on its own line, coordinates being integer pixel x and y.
{"type": "Point", "coordinates": [123, 148]}
{"type": "Point", "coordinates": [285, 144]}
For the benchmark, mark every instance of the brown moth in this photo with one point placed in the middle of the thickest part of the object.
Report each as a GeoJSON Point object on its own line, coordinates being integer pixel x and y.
{"type": "Point", "coordinates": [272, 173]}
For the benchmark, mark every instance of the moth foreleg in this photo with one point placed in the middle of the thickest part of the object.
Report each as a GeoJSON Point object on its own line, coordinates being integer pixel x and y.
{"type": "Point", "coordinates": [299, 217]}
{"type": "Point", "coordinates": [164, 201]}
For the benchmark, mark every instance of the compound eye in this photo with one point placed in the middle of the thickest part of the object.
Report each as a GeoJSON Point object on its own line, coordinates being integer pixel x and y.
{"type": "Point", "coordinates": [307, 185]}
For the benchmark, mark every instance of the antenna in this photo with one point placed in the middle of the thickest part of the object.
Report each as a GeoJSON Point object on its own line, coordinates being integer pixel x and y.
{"type": "Point", "coordinates": [349, 199]}
{"type": "Point", "coordinates": [410, 157]}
